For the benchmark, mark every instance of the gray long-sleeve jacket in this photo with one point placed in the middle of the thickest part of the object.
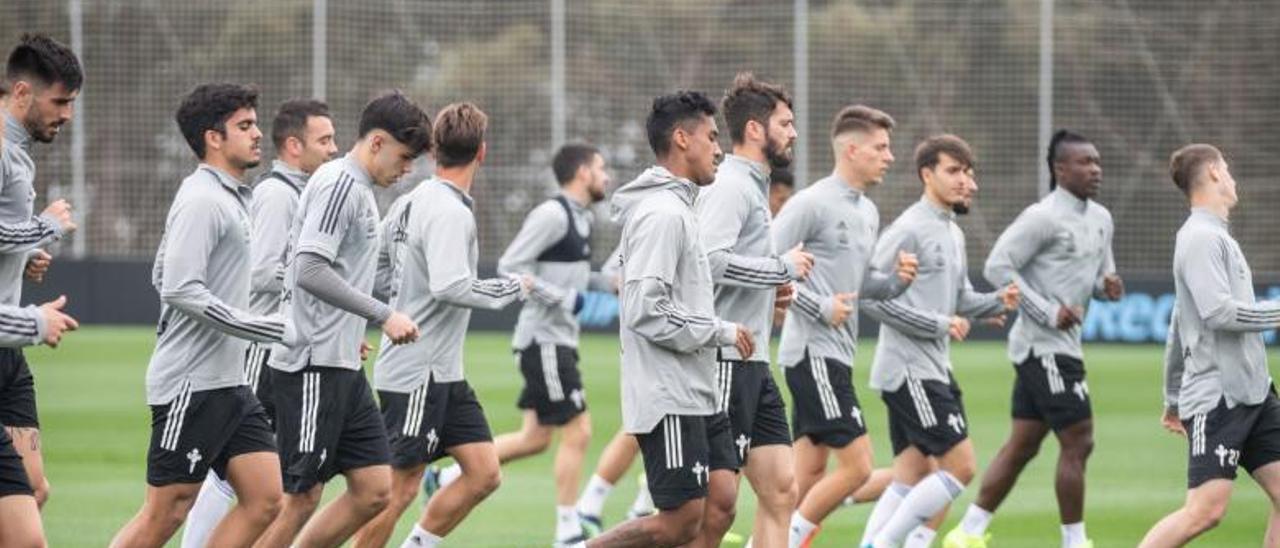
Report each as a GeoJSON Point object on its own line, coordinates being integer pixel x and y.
{"type": "Point", "coordinates": [337, 221]}
{"type": "Point", "coordinates": [734, 219]}
{"type": "Point", "coordinates": [1215, 345]}
{"type": "Point", "coordinates": [838, 224]}
{"type": "Point", "coordinates": [550, 320]}
{"type": "Point", "coordinates": [668, 328]}
{"type": "Point", "coordinates": [434, 281]}
{"type": "Point", "coordinates": [20, 230]}
{"type": "Point", "coordinates": [1058, 250]}
{"type": "Point", "coordinates": [914, 341]}
{"type": "Point", "coordinates": [21, 327]}
{"type": "Point", "coordinates": [202, 275]}
{"type": "Point", "coordinates": [275, 202]}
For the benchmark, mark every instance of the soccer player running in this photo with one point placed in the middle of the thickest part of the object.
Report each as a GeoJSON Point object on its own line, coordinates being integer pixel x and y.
{"type": "Point", "coordinates": [203, 415]}
{"type": "Point", "coordinates": [44, 79]}
{"type": "Point", "coordinates": [838, 223]}
{"type": "Point", "coordinates": [1058, 251]}
{"type": "Point", "coordinates": [669, 330]}
{"type": "Point", "coordinates": [429, 409]}
{"type": "Point", "coordinates": [554, 247]}
{"type": "Point", "coordinates": [912, 365]}
{"type": "Point", "coordinates": [733, 221]}
{"type": "Point", "coordinates": [20, 327]}
{"type": "Point", "coordinates": [326, 419]}
{"type": "Point", "coordinates": [302, 133]}
{"type": "Point", "coordinates": [1218, 391]}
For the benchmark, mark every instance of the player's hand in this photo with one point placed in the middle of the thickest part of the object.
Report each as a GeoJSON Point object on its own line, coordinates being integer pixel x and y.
{"type": "Point", "coordinates": [908, 265]}
{"type": "Point", "coordinates": [60, 211]}
{"type": "Point", "coordinates": [1172, 423]}
{"type": "Point", "coordinates": [1069, 316]}
{"type": "Point", "coordinates": [997, 321]}
{"type": "Point", "coordinates": [803, 260]}
{"type": "Point", "coordinates": [400, 329]}
{"type": "Point", "coordinates": [1010, 296]}
{"type": "Point", "coordinates": [56, 321]}
{"type": "Point", "coordinates": [1113, 286]}
{"type": "Point", "coordinates": [746, 344]}
{"type": "Point", "coordinates": [959, 328]}
{"type": "Point", "coordinates": [841, 307]}
{"type": "Point", "coordinates": [37, 265]}
{"type": "Point", "coordinates": [783, 296]}
{"type": "Point", "coordinates": [364, 350]}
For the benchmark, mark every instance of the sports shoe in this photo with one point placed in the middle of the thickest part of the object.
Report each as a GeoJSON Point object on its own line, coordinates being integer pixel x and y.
{"type": "Point", "coordinates": [570, 542]}
{"type": "Point", "coordinates": [957, 538]}
{"type": "Point", "coordinates": [591, 525]}
{"type": "Point", "coordinates": [430, 483]}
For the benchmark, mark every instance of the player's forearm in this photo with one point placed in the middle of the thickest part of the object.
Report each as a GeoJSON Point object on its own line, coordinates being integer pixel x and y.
{"type": "Point", "coordinates": [489, 294]}
{"type": "Point", "coordinates": [316, 276]}
{"type": "Point", "coordinates": [1033, 305]}
{"type": "Point", "coordinates": [907, 319]}
{"type": "Point", "coordinates": [812, 304]}
{"type": "Point", "coordinates": [193, 298]}
{"type": "Point", "coordinates": [1173, 364]}
{"type": "Point", "coordinates": [663, 322]}
{"type": "Point", "coordinates": [728, 268]}
{"type": "Point", "coordinates": [28, 235]}
{"type": "Point", "coordinates": [1245, 317]}
{"type": "Point", "coordinates": [21, 326]}
{"type": "Point", "coordinates": [972, 304]}
{"type": "Point", "coordinates": [877, 285]}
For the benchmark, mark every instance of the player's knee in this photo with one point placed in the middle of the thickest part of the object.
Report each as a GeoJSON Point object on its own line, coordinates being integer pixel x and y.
{"type": "Point", "coordinates": [264, 508]}
{"type": "Point", "coordinates": [681, 526]}
{"type": "Point", "coordinates": [485, 482]}
{"type": "Point", "coordinates": [41, 490]}
{"type": "Point", "coordinates": [404, 493]}
{"type": "Point", "coordinates": [723, 509]}
{"type": "Point", "coordinates": [374, 500]}
{"type": "Point", "coordinates": [1079, 448]}
{"type": "Point", "coordinates": [781, 495]}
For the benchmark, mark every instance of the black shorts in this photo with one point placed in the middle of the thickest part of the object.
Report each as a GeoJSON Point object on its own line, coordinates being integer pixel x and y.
{"type": "Point", "coordinates": [327, 423]}
{"type": "Point", "coordinates": [757, 415]}
{"type": "Point", "coordinates": [1223, 439]}
{"type": "Point", "coordinates": [552, 383]}
{"type": "Point", "coordinates": [824, 406]}
{"type": "Point", "coordinates": [679, 457]}
{"type": "Point", "coordinates": [200, 431]}
{"type": "Point", "coordinates": [424, 423]}
{"type": "Point", "coordinates": [926, 414]}
{"type": "Point", "coordinates": [17, 391]}
{"type": "Point", "coordinates": [13, 475]}
{"type": "Point", "coordinates": [257, 374]}
{"type": "Point", "coordinates": [1051, 389]}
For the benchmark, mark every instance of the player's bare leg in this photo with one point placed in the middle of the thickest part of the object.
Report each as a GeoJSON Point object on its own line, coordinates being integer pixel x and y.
{"type": "Point", "coordinates": [259, 493]}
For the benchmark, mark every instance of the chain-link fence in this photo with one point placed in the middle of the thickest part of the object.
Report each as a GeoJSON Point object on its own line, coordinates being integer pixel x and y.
{"type": "Point", "coordinates": [1139, 77]}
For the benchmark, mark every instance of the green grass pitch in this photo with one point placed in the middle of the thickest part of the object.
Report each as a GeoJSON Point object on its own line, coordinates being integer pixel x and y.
{"type": "Point", "coordinates": [95, 424]}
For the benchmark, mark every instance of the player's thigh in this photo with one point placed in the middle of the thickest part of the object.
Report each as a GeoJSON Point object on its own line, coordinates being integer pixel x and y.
{"type": "Point", "coordinates": [770, 466]}
{"type": "Point", "coordinates": [960, 460]}
{"type": "Point", "coordinates": [255, 476]}
{"type": "Point", "coordinates": [20, 518]}
{"type": "Point", "coordinates": [478, 458]}
{"type": "Point", "coordinates": [26, 440]}
{"type": "Point", "coordinates": [1268, 477]}
{"type": "Point", "coordinates": [810, 457]}
{"type": "Point", "coordinates": [1210, 499]}
{"type": "Point", "coordinates": [368, 479]}
{"type": "Point", "coordinates": [911, 465]}
{"type": "Point", "coordinates": [857, 455]}
{"type": "Point", "coordinates": [578, 429]}
{"type": "Point", "coordinates": [174, 499]}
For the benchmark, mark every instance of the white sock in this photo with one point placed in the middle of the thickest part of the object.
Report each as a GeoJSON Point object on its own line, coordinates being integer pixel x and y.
{"type": "Point", "coordinates": [591, 502]}
{"type": "Point", "coordinates": [214, 501]}
{"type": "Point", "coordinates": [567, 525]}
{"type": "Point", "coordinates": [421, 538]}
{"type": "Point", "coordinates": [800, 530]}
{"type": "Point", "coordinates": [450, 474]}
{"type": "Point", "coordinates": [883, 510]}
{"type": "Point", "coordinates": [1073, 535]}
{"type": "Point", "coordinates": [644, 503]}
{"type": "Point", "coordinates": [920, 537]}
{"type": "Point", "coordinates": [925, 499]}
{"type": "Point", "coordinates": [976, 520]}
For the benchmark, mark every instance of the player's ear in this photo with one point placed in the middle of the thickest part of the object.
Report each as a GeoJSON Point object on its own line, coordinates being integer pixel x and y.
{"type": "Point", "coordinates": [212, 140]}
{"type": "Point", "coordinates": [484, 151]}
{"type": "Point", "coordinates": [680, 138]}
{"type": "Point", "coordinates": [755, 131]}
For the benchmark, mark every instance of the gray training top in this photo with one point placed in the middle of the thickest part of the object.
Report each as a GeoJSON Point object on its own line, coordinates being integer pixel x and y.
{"type": "Point", "coordinates": [550, 320]}
{"type": "Point", "coordinates": [838, 224]}
{"type": "Point", "coordinates": [1215, 350]}
{"type": "Point", "coordinates": [667, 319]}
{"type": "Point", "coordinates": [434, 249]}
{"type": "Point", "coordinates": [914, 342]}
{"type": "Point", "coordinates": [338, 222]}
{"type": "Point", "coordinates": [734, 218]}
{"type": "Point", "coordinates": [275, 202]}
{"type": "Point", "coordinates": [202, 275]}
{"type": "Point", "coordinates": [20, 231]}
{"type": "Point", "coordinates": [1058, 250]}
